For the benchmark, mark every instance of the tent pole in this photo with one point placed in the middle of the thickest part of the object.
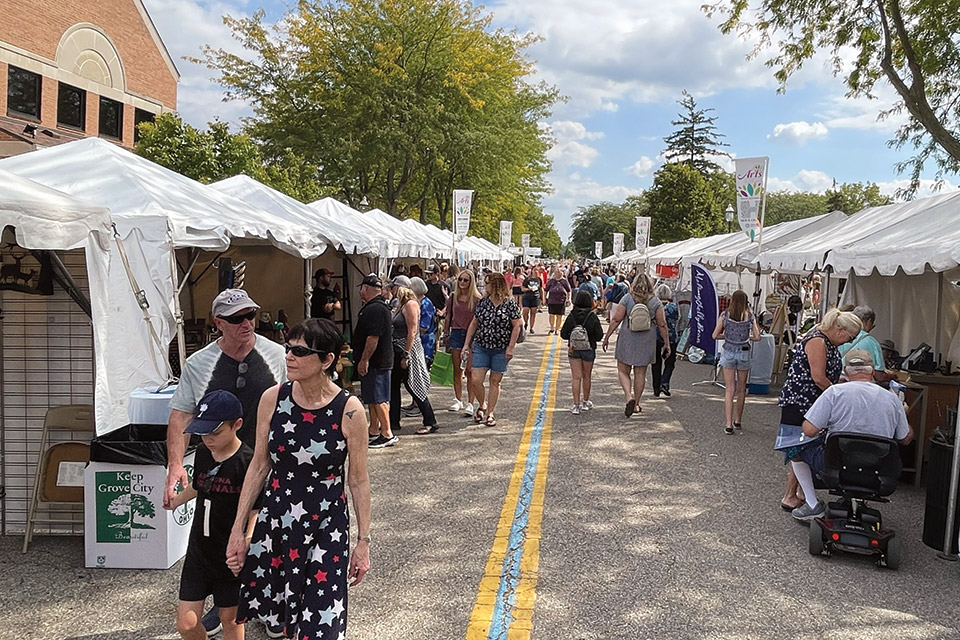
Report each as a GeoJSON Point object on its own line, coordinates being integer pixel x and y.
{"type": "Point", "coordinates": [939, 312]}
{"type": "Point", "coordinates": [177, 311]}
{"type": "Point", "coordinates": [951, 502]}
{"type": "Point", "coordinates": [307, 286]}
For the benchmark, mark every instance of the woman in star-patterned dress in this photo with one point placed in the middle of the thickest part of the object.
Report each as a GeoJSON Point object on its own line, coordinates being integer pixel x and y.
{"type": "Point", "coordinates": [297, 561]}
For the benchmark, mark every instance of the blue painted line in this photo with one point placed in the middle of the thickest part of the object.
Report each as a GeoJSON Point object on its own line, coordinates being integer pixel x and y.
{"type": "Point", "coordinates": [510, 571]}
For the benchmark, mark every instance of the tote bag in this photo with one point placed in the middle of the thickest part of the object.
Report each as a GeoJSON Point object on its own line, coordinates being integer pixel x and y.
{"type": "Point", "coordinates": [441, 373]}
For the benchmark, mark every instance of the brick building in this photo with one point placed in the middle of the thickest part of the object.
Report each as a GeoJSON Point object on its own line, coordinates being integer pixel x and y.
{"type": "Point", "coordinates": [76, 68]}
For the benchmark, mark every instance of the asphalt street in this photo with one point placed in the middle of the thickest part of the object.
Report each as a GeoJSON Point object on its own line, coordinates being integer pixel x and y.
{"type": "Point", "coordinates": [657, 526]}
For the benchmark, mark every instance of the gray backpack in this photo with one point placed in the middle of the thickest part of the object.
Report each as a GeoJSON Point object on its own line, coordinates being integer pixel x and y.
{"type": "Point", "coordinates": [639, 319]}
{"type": "Point", "coordinates": [579, 340]}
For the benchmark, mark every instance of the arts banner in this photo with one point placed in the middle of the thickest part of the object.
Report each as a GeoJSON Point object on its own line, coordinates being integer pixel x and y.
{"type": "Point", "coordinates": [462, 199]}
{"type": "Point", "coordinates": [506, 233]}
{"type": "Point", "coordinates": [617, 244]}
{"type": "Point", "coordinates": [703, 309]}
{"type": "Point", "coordinates": [751, 184]}
{"type": "Point", "coordinates": [642, 238]}
{"type": "Point", "coordinates": [598, 249]}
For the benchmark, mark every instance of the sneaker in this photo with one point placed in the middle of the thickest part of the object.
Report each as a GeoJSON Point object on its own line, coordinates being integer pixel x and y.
{"type": "Point", "coordinates": [456, 406]}
{"type": "Point", "coordinates": [575, 410]}
{"type": "Point", "coordinates": [380, 442]}
{"type": "Point", "coordinates": [806, 512]}
{"type": "Point", "coordinates": [392, 441]}
{"type": "Point", "coordinates": [586, 405]}
{"type": "Point", "coordinates": [665, 391]}
{"type": "Point", "coordinates": [274, 632]}
{"type": "Point", "coordinates": [468, 409]}
{"type": "Point", "coordinates": [211, 622]}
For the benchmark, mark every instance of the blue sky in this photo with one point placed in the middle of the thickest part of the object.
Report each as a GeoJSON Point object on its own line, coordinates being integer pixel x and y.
{"type": "Point", "coordinates": [623, 65]}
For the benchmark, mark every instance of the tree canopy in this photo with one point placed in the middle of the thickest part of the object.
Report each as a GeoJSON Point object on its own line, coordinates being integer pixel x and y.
{"type": "Point", "coordinates": [682, 205]}
{"type": "Point", "coordinates": [598, 223]}
{"type": "Point", "coordinates": [697, 139]}
{"type": "Point", "coordinates": [400, 102]}
{"type": "Point", "coordinates": [913, 46]}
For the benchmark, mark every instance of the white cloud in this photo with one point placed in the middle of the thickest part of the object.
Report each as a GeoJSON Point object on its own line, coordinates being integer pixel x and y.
{"type": "Point", "coordinates": [568, 151]}
{"type": "Point", "coordinates": [185, 27]}
{"type": "Point", "coordinates": [798, 133]}
{"type": "Point", "coordinates": [642, 168]}
{"type": "Point", "coordinates": [804, 180]}
{"type": "Point", "coordinates": [573, 191]}
{"type": "Point", "coordinates": [927, 187]}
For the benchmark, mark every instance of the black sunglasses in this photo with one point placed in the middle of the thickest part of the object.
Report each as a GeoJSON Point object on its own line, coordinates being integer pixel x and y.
{"type": "Point", "coordinates": [301, 351]}
{"type": "Point", "coordinates": [239, 318]}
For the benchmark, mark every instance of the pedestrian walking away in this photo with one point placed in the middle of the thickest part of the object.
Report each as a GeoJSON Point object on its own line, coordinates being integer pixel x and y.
{"type": "Point", "coordinates": [296, 564]}
{"type": "Point", "coordinates": [372, 346]}
{"type": "Point", "coordinates": [664, 364]}
{"type": "Point", "coordinates": [583, 330]}
{"type": "Point", "coordinates": [738, 327]}
{"type": "Point", "coordinates": [636, 341]}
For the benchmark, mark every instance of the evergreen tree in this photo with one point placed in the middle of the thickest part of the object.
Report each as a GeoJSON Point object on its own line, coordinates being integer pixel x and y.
{"type": "Point", "coordinates": [697, 139]}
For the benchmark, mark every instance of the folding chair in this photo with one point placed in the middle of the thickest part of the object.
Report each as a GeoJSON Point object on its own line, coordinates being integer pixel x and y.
{"type": "Point", "coordinates": [73, 418]}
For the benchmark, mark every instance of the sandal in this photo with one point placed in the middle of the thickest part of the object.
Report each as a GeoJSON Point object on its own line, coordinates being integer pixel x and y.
{"type": "Point", "coordinates": [424, 430]}
{"type": "Point", "coordinates": [630, 408]}
{"type": "Point", "coordinates": [479, 415]}
{"type": "Point", "coordinates": [728, 431]}
{"type": "Point", "coordinates": [788, 507]}
{"type": "Point", "coordinates": [491, 421]}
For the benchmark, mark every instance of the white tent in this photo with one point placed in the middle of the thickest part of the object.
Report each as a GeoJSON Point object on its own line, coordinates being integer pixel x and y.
{"type": "Point", "coordinates": [425, 246]}
{"type": "Point", "coordinates": [388, 243]}
{"type": "Point", "coordinates": [155, 210]}
{"type": "Point", "coordinates": [337, 232]}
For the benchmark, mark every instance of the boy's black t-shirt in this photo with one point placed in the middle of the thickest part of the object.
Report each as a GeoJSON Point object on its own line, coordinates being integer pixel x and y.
{"type": "Point", "coordinates": [218, 496]}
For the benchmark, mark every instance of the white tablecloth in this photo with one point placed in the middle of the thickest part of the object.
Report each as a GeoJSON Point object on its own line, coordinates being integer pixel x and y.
{"type": "Point", "coordinates": [149, 407]}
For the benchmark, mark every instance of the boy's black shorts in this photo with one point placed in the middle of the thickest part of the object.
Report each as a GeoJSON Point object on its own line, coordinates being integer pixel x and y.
{"type": "Point", "coordinates": [198, 581]}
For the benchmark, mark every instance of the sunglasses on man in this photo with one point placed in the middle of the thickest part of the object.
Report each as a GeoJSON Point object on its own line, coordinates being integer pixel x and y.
{"type": "Point", "coordinates": [237, 319]}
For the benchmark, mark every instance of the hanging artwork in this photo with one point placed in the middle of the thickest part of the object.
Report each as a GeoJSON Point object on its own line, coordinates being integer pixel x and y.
{"type": "Point", "coordinates": [25, 271]}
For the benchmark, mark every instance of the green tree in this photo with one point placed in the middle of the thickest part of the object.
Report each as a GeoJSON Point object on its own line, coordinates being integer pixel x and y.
{"type": "Point", "coordinates": [852, 197]}
{"type": "Point", "coordinates": [697, 139]}
{"type": "Point", "coordinates": [784, 205]}
{"type": "Point", "coordinates": [598, 223]}
{"type": "Point", "coordinates": [913, 46]}
{"type": "Point", "coordinates": [398, 102]}
{"type": "Point", "coordinates": [682, 205]}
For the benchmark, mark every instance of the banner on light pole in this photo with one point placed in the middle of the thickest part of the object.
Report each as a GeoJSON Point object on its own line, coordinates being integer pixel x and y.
{"type": "Point", "coordinates": [506, 232]}
{"type": "Point", "coordinates": [462, 199]}
{"type": "Point", "coordinates": [751, 184]}
{"type": "Point", "coordinates": [642, 238]}
{"type": "Point", "coordinates": [598, 249]}
{"type": "Point", "coordinates": [525, 241]}
{"type": "Point", "coordinates": [617, 244]}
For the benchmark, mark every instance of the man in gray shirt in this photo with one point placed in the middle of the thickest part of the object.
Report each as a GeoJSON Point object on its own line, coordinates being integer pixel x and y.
{"type": "Point", "coordinates": [857, 406]}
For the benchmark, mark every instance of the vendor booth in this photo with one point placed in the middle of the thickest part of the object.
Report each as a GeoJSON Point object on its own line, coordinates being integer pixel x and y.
{"type": "Point", "coordinates": [133, 291]}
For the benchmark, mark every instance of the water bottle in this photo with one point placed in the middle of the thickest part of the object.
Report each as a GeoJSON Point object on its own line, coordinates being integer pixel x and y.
{"type": "Point", "coordinates": [898, 389]}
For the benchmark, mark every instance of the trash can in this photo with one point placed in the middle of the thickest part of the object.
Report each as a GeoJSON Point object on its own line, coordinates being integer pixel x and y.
{"type": "Point", "coordinates": [125, 524]}
{"type": "Point", "coordinates": [938, 494]}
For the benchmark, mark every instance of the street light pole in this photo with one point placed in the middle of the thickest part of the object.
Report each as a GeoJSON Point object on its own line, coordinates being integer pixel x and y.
{"type": "Point", "coordinates": [728, 214]}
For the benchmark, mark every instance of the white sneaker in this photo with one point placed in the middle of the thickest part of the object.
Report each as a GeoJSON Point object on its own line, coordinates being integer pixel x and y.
{"type": "Point", "coordinates": [468, 409]}
{"type": "Point", "coordinates": [575, 410]}
{"type": "Point", "coordinates": [587, 405]}
{"type": "Point", "coordinates": [456, 406]}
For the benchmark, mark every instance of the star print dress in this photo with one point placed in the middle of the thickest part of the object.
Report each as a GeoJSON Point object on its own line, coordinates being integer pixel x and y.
{"type": "Point", "coordinates": [295, 575]}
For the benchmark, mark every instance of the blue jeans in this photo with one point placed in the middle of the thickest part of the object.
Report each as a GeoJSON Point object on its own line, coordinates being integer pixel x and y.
{"type": "Point", "coordinates": [493, 359]}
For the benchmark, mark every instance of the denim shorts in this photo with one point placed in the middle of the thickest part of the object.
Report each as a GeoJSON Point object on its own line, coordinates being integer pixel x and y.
{"type": "Point", "coordinates": [739, 359]}
{"type": "Point", "coordinates": [530, 301]}
{"type": "Point", "coordinates": [375, 386]}
{"type": "Point", "coordinates": [587, 355]}
{"type": "Point", "coordinates": [493, 359]}
{"type": "Point", "coordinates": [457, 338]}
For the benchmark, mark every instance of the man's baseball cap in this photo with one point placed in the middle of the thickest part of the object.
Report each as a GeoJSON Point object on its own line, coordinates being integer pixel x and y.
{"type": "Point", "coordinates": [431, 268]}
{"type": "Point", "coordinates": [214, 409]}
{"type": "Point", "coordinates": [400, 281]}
{"type": "Point", "coordinates": [858, 358]}
{"type": "Point", "coordinates": [372, 280]}
{"type": "Point", "coordinates": [231, 301]}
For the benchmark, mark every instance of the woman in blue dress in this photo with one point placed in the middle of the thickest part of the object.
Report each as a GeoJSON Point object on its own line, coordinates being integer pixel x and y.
{"type": "Point", "coordinates": [297, 561]}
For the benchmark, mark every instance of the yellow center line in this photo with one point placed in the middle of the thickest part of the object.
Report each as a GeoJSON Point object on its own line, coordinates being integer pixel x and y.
{"type": "Point", "coordinates": [504, 606]}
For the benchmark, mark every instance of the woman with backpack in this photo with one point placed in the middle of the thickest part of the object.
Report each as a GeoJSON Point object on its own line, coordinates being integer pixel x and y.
{"type": "Point", "coordinates": [641, 314]}
{"type": "Point", "coordinates": [738, 327]}
{"type": "Point", "coordinates": [582, 328]}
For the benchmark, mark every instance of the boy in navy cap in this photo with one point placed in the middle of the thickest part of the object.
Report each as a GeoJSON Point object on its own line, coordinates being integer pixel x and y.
{"type": "Point", "coordinates": [219, 467]}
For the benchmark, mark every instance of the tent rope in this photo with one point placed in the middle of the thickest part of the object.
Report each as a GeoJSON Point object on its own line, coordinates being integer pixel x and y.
{"type": "Point", "coordinates": [144, 305]}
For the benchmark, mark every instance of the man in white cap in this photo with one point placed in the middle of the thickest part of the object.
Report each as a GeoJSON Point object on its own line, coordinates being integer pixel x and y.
{"type": "Point", "coordinates": [241, 362]}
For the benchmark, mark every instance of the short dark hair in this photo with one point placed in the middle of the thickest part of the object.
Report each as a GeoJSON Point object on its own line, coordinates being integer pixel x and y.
{"type": "Point", "coordinates": [320, 334]}
{"type": "Point", "coordinates": [583, 299]}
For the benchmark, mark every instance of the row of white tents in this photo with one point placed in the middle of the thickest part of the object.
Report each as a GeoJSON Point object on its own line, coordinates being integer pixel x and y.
{"type": "Point", "coordinates": [902, 259]}
{"type": "Point", "coordinates": [82, 194]}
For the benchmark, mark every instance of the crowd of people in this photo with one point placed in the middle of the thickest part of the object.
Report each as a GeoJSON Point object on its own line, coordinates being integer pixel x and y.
{"type": "Point", "coordinates": [271, 538]}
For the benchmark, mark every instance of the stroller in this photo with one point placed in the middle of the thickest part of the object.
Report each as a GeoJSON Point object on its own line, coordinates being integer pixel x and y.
{"type": "Point", "coordinates": [858, 468]}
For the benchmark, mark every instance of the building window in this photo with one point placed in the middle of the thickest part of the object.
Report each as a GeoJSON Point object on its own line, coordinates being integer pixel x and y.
{"type": "Point", "coordinates": [111, 118]}
{"type": "Point", "coordinates": [23, 93]}
{"type": "Point", "coordinates": [71, 107]}
{"type": "Point", "coordinates": [140, 115]}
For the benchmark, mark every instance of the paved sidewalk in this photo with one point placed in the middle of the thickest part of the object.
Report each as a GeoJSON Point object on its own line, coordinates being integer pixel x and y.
{"type": "Point", "coordinates": [659, 526]}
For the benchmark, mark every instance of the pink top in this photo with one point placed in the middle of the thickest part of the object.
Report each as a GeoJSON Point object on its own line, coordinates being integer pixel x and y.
{"type": "Point", "coordinates": [460, 312]}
